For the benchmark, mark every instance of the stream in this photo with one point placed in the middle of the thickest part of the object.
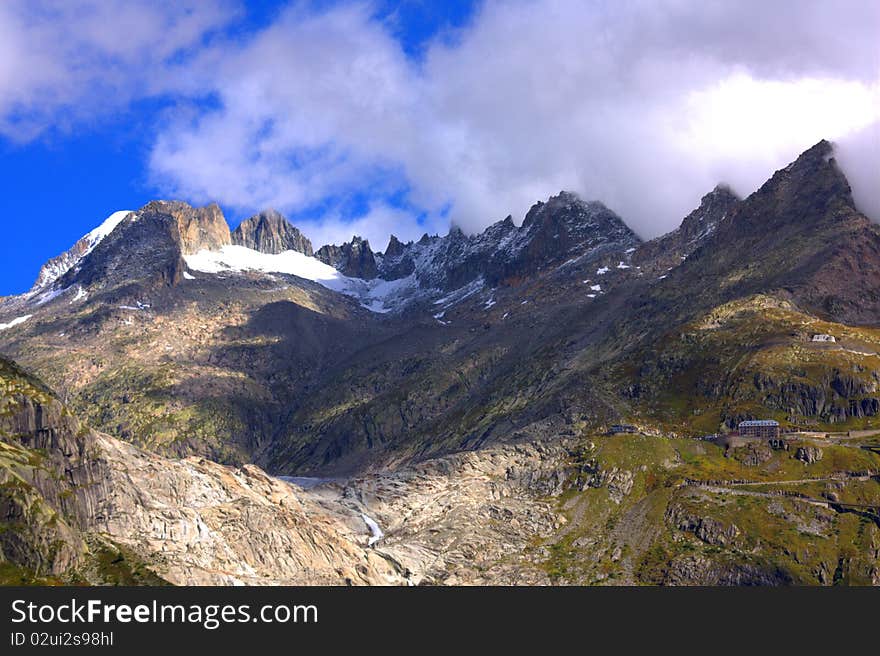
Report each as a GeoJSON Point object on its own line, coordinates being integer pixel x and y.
{"type": "Point", "coordinates": [376, 533]}
{"type": "Point", "coordinates": [309, 482]}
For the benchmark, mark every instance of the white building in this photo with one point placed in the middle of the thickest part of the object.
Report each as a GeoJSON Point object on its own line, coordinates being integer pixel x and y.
{"type": "Point", "coordinates": [824, 338]}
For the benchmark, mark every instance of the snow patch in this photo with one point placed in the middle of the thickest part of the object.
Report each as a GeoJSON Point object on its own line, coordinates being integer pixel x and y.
{"type": "Point", "coordinates": [602, 271]}
{"type": "Point", "coordinates": [139, 307]}
{"type": "Point", "coordinates": [240, 258]}
{"type": "Point", "coordinates": [623, 266]}
{"type": "Point", "coordinates": [596, 288]}
{"type": "Point", "coordinates": [15, 322]}
{"type": "Point", "coordinates": [188, 276]}
{"type": "Point", "coordinates": [98, 235]}
{"type": "Point", "coordinates": [380, 296]}
{"type": "Point", "coordinates": [461, 293]}
{"type": "Point", "coordinates": [66, 261]}
{"type": "Point", "coordinates": [52, 294]}
{"type": "Point", "coordinates": [80, 295]}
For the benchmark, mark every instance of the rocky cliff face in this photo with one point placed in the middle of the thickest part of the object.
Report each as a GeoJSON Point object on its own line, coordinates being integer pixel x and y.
{"type": "Point", "coordinates": [198, 228]}
{"type": "Point", "coordinates": [354, 259]}
{"type": "Point", "coordinates": [270, 232]}
{"type": "Point", "coordinates": [70, 495]}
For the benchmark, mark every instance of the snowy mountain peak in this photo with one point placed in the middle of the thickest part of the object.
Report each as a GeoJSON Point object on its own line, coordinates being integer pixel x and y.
{"type": "Point", "coordinates": [53, 269]}
{"type": "Point", "coordinates": [164, 238]}
{"type": "Point", "coordinates": [553, 232]}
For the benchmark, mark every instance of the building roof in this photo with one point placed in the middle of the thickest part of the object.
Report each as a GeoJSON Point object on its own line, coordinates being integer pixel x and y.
{"type": "Point", "coordinates": [758, 422]}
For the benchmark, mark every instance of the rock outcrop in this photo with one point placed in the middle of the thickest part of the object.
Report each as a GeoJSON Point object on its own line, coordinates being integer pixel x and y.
{"type": "Point", "coordinates": [198, 228]}
{"type": "Point", "coordinates": [354, 259]}
{"type": "Point", "coordinates": [709, 530]}
{"type": "Point", "coordinates": [808, 454]}
{"type": "Point", "coordinates": [270, 232]}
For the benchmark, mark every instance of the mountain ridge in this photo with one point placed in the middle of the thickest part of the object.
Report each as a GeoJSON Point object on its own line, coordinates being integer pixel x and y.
{"type": "Point", "coordinates": [462, 398]}
{"type": "Point", "coordinates": [540, 312]}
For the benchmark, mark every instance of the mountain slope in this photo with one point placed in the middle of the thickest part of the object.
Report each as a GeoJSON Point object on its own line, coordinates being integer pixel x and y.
{"type": "Point", "coordinates": [83, 507]}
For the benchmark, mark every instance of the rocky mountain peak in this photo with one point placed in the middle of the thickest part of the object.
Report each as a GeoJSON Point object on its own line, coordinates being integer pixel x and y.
{"type": "Point", "coordinates": [137, 250]}
{"type": "Point", "coordinates": [395, 247]}
{"type": "Point", "coordinates": [354, 259]}
{"type": "Point", "coordinates": [668, 251]}
{"type": "Point", "coordinates": [797, 200]}
{"type": "Point", "coordinates": [498, 230]}
{"type": "Point", "coordinates": [560, 229]}
{"type": "Point", "coordinates": [567, 226]}
{"type": "Point", "coordinates": [456, 233]}
{"type": "Point", "coordinates": [61, 264]}
{"type": "Point", "coordinates": [178, 226]}
{"type": "Point", "coordinates": [198, 228]}
{"type": "Point", "coordinates": [800, 233]}
{"type": "Point", "coordinates": [270, 232]}
{"type": "Point", "coordinates": [716, 206]}
{"type": "Point", "coordinates": [811, 189]}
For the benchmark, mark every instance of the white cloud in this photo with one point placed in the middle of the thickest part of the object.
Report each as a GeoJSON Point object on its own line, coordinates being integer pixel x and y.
{"type": "Point", "coordinates": [858, 154]}
{"type": "Point", "coordinates": [63, 62]}
{"type": "Point", "coordinates": [376, 225]}
{"type": "Point", "coordinates": [644, 105]}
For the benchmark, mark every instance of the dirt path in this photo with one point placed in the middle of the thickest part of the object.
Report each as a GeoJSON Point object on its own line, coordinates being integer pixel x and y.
{"type": "Point", "coordinates": [767, 495]}
{"type": "Point", "coordinates": [800, 481]}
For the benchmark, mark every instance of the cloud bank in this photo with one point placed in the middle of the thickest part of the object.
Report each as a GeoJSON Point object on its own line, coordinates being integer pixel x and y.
{"type": "Point", "coordinates": [645, 105]}
{"type": "Point", "coordinates": [63, 64]}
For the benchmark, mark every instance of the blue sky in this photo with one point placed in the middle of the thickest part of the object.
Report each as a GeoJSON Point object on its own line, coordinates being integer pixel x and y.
{"type": "Point", "coordinates": [374, 117]}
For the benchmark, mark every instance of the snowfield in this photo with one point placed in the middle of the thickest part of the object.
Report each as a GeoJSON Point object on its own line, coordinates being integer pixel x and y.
{"type": "Point", "coordinates": [376, 295]}
{"type": "Point", "coordinates": [15, 322]}
{"type": "Point", "coordinates": [239, 258]}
